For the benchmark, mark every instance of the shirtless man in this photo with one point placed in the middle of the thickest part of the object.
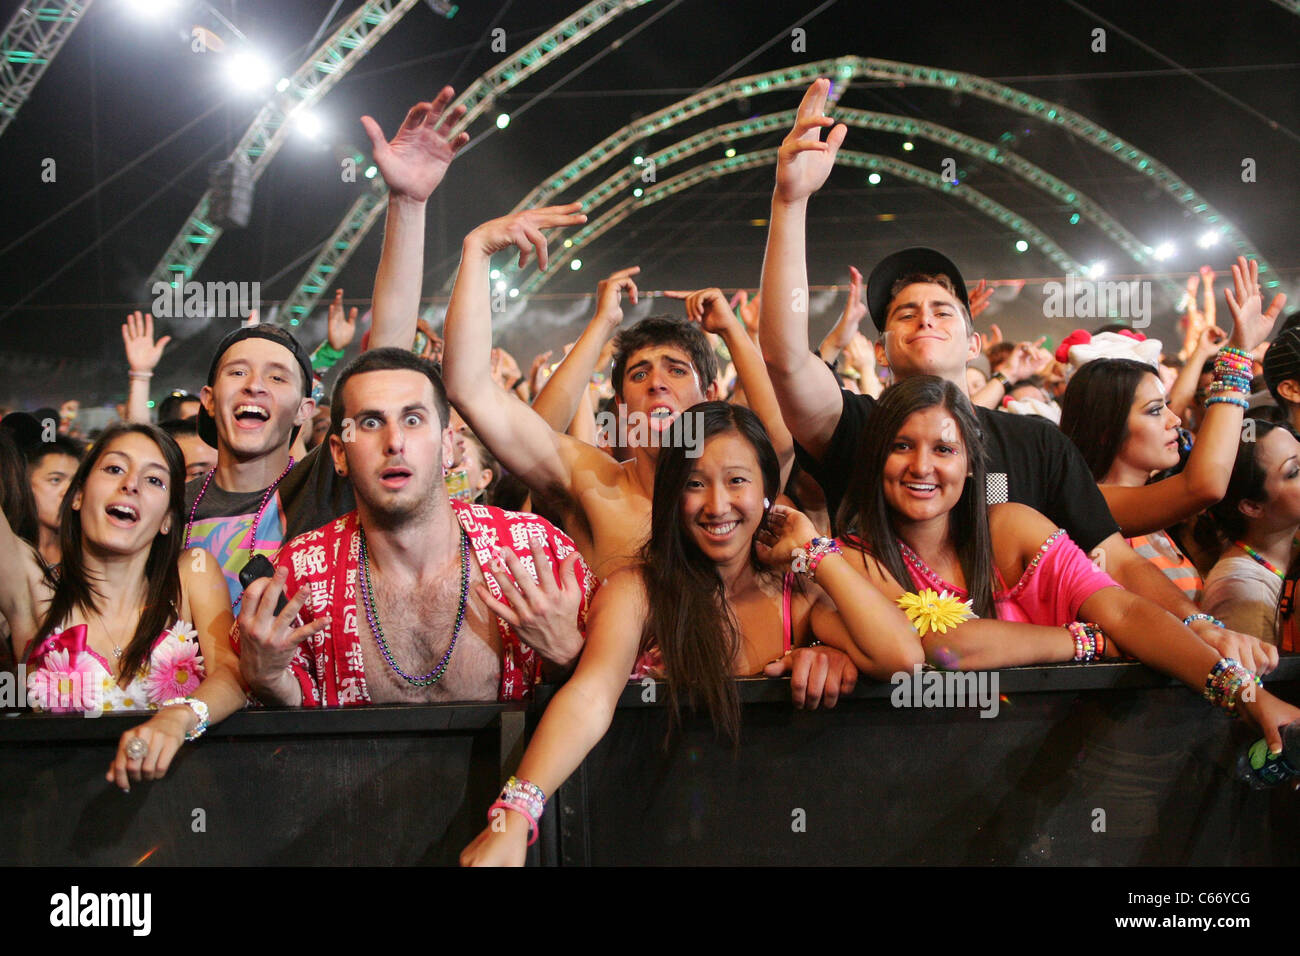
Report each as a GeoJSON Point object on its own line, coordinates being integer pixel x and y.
{"type": "Point", "coordinates": [412, 598]}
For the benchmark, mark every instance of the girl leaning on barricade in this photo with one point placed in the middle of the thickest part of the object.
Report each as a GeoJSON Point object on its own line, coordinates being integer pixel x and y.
{"type": "Point", "coordinates": [918, 529]}
{"type": "Point", "coordinates": [129, 623]}
{"type": "Point", "coordinates": [709, 602]}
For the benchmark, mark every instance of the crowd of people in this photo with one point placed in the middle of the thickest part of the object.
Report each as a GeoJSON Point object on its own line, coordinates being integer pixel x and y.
{"type": "Point", "coordinates": [446, 527]}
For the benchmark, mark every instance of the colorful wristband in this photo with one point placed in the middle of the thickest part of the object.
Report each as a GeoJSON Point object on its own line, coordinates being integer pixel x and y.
{"type": "Point", "coordinates": [200, 711]}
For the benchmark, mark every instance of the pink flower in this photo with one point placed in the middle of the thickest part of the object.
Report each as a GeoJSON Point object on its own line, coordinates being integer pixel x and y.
{"type": "Point", "coordinates": [63, 686]}
{"type": "Point", "coordinates": [176, 667]}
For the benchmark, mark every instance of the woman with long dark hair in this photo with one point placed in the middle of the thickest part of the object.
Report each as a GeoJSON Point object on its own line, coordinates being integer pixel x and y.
{"type": "Point", "coordinates": [129, 623]}
{"type": "Point", "coordinates": [705, 606]}
{"type": "Point", "coordinates": [1253, 531]}
{"type": "Point", "coordinates": [1117, 412]}
{"type": "Point", "coordinates": [917, 521]}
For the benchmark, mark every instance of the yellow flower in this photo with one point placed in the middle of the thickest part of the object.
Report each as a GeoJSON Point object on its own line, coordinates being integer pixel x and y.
{"type": "Point", "coordinates": [934, 612]}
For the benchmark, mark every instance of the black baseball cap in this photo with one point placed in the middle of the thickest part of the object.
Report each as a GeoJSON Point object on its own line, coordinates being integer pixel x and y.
{"type": "Point", "coordinates": [208, 427]}
{"type": "Point", "coordinates": [918, 260]}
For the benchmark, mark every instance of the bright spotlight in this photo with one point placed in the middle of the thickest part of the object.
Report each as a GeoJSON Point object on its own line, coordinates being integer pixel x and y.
{"type": "Point", "coordinates": [309, 124]}
{"type": "Point", "coordinates": [638, 192]}
{"type": "Point", "coordinates": [501, 285]}
{"type": "Point", "coordinates": [1097, 270]}
{"type": "Point", "coordinates": [731, 151]}
{"type": "Point", "coordinates": [247, 71]}
{"type": "Point", "coordinates": [494, 274]}
{"type": "Point", "coordinates": [568, 243]}
{"type": "Point", "coordinates": [514, 293]}
{"type": "Point", "coordinates": [638, 160]}
{"type": "Point", "coordinates": [150, 7]}
{"type": "Point", "coordinates": [1164, 251]}
{"type": "Point", "coordinates": [874, 179]}
{"type": "Point", "coordinates": [503, 120]}
{"type": "Point", "coordinates": [575, 264]}
{"type": "Point", "coordinates": [282, 84]}
{"type": "Point", "coordinates": [1022, 246]}
{"type": "Point", "coordinates": [371, 172]}
{"type": "Point", "coordinates": [1208, 239]}
{"type": "Point", "coordinates": [909, 146]}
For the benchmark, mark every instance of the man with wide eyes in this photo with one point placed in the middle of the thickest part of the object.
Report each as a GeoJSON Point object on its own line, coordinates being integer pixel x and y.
{"type": "Point", "coordinates": [412, 597]}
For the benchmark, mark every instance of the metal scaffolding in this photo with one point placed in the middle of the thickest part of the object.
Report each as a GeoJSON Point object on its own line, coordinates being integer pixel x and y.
{"type": "Point", "coordinates": [27, 47]}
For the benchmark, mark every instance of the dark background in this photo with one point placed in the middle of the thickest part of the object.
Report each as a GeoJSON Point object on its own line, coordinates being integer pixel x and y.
{"type": "Point", "coordinates": [124, 83]}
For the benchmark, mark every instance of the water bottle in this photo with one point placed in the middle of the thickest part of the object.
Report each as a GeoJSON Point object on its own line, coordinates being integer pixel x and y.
{"type": "Point", "coordinates": [1261, 769]}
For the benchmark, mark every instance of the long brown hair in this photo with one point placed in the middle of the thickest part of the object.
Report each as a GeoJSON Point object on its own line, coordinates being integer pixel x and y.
{"type": "Point", "coordinates": [74, 590]}
{"type": "Point", "coordinates": [689, 617]}
{"type": "Point", "coordinates": [865, 514]}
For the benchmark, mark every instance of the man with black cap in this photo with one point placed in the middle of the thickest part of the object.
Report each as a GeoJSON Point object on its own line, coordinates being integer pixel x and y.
{"type": "Point", "coordinates": [258, 393]}
{"type": "Point", "coordinates": [918, 301]}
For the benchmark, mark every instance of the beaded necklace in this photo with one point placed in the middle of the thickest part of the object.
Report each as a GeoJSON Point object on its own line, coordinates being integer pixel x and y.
{"type": "Point", "coordinates": [1260, 559]}
{"type": "Point", "coordinates": [261, 508]}
{"type": "Point", "coordinates": [372, 615]}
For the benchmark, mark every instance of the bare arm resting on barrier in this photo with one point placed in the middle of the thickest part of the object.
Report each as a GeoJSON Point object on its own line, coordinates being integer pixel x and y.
{"type": "Point", "coordinates": [577, 716]}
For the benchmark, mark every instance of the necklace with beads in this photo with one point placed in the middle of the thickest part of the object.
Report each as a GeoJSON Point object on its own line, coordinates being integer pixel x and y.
{"type": "Point", "coordinates": [372, 615]}
{"type": "Point", "coordinates": [252, 531]}
{"type": "Point", "coordinates": [1260, 559]}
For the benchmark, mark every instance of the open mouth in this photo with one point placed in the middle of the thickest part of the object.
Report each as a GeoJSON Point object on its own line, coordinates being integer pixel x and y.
{"type": "Point", "coordinates": [921, 488]}
{"type": "Point", "coordinates": [396, 476]}
{"type": "Point", "coordinates": [661, 416]}
{"type": "Point", "coordinates": [250, 416]}
{"type": "Point", "coordinates": [124, 515]}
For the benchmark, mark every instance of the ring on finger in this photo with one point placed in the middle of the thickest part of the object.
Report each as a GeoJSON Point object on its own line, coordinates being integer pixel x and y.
{"type": "Point", "coordinates": [137, 748]}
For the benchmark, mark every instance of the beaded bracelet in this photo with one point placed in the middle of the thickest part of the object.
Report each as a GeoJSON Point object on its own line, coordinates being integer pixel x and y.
{"type": "Point", "coordinates": [1227, 400]}
{"type": "Point", "coordinates": [200, 711]}
{"type": "Point", "coordinates": [806, 559]}
{"type": "Point", "coordinates": [526, 799]}
{"type": "Point", "coordinates": [1089, 642]}
{"type": "Point", "coordinates": [1225, 682]}
{"type": "Point", "coordinates": [1201, 616]}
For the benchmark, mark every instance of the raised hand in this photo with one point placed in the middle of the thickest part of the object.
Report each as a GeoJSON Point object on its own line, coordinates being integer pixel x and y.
{"type": "Point", "coordinates": [142, 352]}
{"type": "Point", "coordinates": [524, 230]}
{"type": "Point", "coordinates": [539, 373]}
{"type": "Point", "coordinates": [709, 308]}
{"type": "Point", "coordinates": [1250, 324]}
{"type": "Point", "coordinates": [860, 354]}
{"type": "Point", "coordinates": [416, 159]}
{"type": "Point", "coordinates": [804, 162]}
{"type": "Point", "coordinates": [609, 296]}
{"type": "Point", "coordinates": [505, 370]}
{"type": "Point", "coordinates": [980, 297]}
{"type": "Point", "coordinates": [543, 613]}
{"type": "Point", "coordinates": [341, 328]}
{"type": "Point", "coordinates": [994, 336]}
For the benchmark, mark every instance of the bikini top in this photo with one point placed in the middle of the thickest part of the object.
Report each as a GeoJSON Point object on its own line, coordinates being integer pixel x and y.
{"type": "Point", "coordinates": [66, 675]}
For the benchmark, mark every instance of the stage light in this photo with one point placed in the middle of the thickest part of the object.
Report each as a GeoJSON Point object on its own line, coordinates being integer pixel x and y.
{"type": "Point", "coordinates": [731, 151]}
{"type": "Point", "coordinates": [575, 264]}
{"type": "Point", "coordinates": [371, 172]}
{"type": "Point", "coordinates": [1165, 250]}
{"type": "Point", "coordinates": [247, 71]}
{"type": "Point", "coordinates": [501, 285]}
{"type": "Point", "coordinates": [150, 7]}
{"type": "Point", "coordinates": [503, 120]}
{"type": "Point", "coordinates": [282, 85]}
{"type": "Point", "coordinates": [874, 179]}
{"type": "Point", "coordinates": [1074, 219]}
{"type": "Point", "coordinates": [568, 243]}
{"type": "Point", "coordinates": [1097, 270]}
{"type": "Point", "coordinates": [494, 274]}
{"type": "Point", "coordinates": [1208, 239]}
{"type": "Point", "coordinates": [638, 192]}
{"type": "Point", "coordinates": [514, 293]}
{"type": "Point", "coordinates": [908, 146]}
{"type": "Point", "coordinates": [1022, 246]}
{"type": "Point", "coordinates": [637, 160]}
{"type": "Point", "coordinates": [309, 124]}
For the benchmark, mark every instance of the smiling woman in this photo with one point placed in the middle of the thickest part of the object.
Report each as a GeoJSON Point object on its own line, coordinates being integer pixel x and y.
{"type": "Point", "coordinates": [129, 623]}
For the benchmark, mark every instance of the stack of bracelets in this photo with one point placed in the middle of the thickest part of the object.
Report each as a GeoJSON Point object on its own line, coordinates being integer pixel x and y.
{"type": "Point", "coordinates": [1231, 383]}
{"type": "Point", "coordinates": [524, 798]}
{"type": "Point", "coordinates": [805, 560]}
{"type": "Point", "coordinates": [1089, 641]}
{"type": "Point", "coordinates": [1226, 681]}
